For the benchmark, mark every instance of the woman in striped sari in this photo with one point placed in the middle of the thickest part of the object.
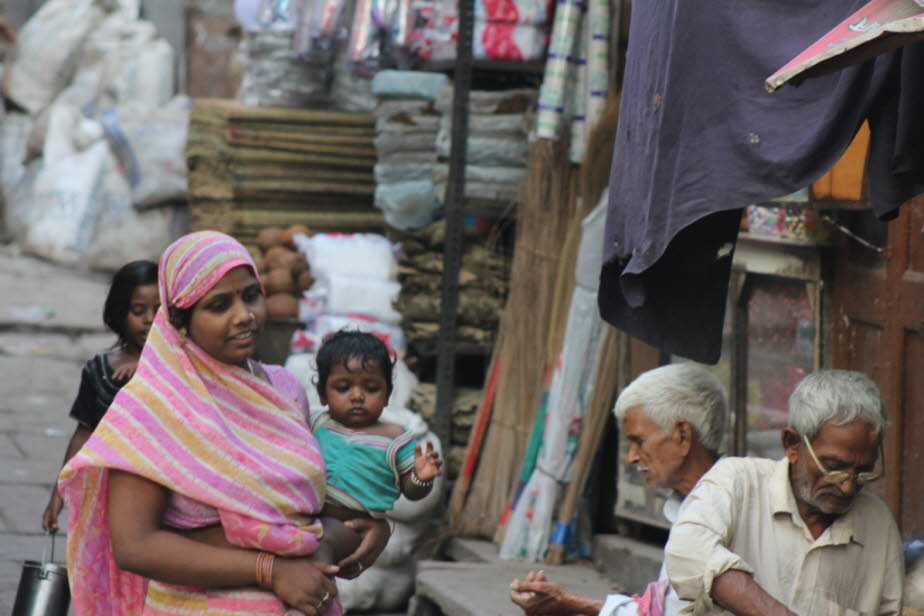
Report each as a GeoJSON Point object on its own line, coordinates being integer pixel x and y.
{"type": "Point", "coordinates": [204, 438]}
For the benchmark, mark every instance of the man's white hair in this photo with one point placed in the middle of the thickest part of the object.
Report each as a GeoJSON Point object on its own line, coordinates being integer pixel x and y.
{"type": "Point", "coordinates": [679, 391]}
{"type": "Point", "coordinates": [838, 396]}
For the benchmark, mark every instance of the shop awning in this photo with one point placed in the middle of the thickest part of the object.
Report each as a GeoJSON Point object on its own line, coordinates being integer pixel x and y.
{"type": "Point", "coordinates": [880, 26]}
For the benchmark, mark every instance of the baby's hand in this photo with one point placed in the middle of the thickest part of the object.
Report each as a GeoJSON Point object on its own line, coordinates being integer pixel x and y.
{"type": "Point", "coordinates": [125, 371]}
{"type": "Point", "coordinates": [426, 464]}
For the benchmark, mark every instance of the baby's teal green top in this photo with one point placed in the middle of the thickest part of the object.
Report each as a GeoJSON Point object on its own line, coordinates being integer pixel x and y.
{"type": "Point", "coordinates": [363, 470]}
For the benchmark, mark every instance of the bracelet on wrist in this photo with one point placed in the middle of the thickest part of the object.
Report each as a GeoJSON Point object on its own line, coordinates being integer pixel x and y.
{"type": "Point", "coordinates": [265, 562]}
{"type": "Point", "coordinates": [417, 481]}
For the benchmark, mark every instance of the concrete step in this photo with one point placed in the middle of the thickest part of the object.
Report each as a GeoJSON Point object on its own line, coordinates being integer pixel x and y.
{"type": "Point", "coordinates": [629, 562]}
{"type": "Point", "coordinates": [478, 584]}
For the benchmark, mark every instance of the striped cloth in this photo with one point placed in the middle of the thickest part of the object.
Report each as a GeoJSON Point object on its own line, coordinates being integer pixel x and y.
{"type": "Point", "coordinates": [209, 431]}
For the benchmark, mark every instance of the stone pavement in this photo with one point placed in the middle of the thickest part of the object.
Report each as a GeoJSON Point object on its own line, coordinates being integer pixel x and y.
{"type": "Point", "coordinates": [50, 323]}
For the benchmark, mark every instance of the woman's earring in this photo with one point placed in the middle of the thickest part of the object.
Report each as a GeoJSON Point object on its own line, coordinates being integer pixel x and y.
{"type": "Point", "coordinates": [182, 336]}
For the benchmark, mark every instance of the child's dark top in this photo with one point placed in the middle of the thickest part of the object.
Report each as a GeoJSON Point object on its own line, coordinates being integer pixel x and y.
{"type": "Point", "coordinates": [97, 390]}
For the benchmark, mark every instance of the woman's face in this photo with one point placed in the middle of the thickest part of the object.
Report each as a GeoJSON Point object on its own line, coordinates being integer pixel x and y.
{"type": "Point", "coordinates": [227, 321]}
{"type": "Point", "coordinates": [142, 307]}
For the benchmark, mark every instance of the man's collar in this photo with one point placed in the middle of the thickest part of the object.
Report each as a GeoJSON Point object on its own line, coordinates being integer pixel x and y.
{"type": "Point", "coordinates": [782, 500]}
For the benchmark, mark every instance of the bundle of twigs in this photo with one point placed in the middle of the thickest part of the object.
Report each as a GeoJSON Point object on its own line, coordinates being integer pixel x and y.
{"type": "Point", "coordinates": [543, 217]}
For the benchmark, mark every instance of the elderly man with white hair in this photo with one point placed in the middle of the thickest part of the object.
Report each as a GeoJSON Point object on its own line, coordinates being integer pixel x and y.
{"type": "Point", "coordinates": [798, 535]}
{"type": "Point", "coordinates": [674, 419]}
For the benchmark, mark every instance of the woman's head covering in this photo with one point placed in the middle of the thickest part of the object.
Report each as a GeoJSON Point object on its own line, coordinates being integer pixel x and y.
{"type": "Point", "coordinates": [195, 263]}
{"type": "Point", "coordinates": [206, 430]}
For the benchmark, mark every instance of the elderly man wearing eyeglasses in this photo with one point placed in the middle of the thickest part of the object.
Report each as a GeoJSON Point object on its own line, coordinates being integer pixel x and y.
{"type": "Point", "coordinates": [797, 536]}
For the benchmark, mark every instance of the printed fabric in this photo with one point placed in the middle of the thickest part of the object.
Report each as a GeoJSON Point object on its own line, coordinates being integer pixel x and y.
{"type": "Point", "coordinates": [363, 470]}
{"type": "Point", "coordinates": [208, 431]}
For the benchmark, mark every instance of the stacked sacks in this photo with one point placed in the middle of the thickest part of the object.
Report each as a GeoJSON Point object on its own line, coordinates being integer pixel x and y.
{"type": "Point", "coordinates": [283, 270]}
{"type": "Point", "coordinates": [498, 128]}
{"type": "Point", "coordinates": [405, 143]}
{"type": "Point", "coordinates": [482, 288]}
{"type": "Point", "coordinates": [464, 409]}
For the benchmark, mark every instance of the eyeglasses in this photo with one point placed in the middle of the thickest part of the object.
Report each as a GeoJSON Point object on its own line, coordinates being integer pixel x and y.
{"type": "Point", "coordinates": [842, 476]}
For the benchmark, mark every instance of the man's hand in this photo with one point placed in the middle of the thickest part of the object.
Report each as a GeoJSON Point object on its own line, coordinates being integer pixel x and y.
{"type": "Point", "coordinates": [539, 597]}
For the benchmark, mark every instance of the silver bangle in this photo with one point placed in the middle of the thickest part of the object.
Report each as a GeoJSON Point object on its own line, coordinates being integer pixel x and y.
{"type": "Point", "coordinates": [417, 481]}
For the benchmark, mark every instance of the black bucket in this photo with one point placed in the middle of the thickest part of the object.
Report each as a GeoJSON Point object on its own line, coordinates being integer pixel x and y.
{"type": "Point", "coordinates": [43, 589]}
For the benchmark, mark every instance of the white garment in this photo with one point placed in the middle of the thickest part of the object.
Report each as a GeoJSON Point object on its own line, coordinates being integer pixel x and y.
{"type": "Point", "coordinates": [624, 605]}
{"type": "Point", "coordinates": [742, 515]}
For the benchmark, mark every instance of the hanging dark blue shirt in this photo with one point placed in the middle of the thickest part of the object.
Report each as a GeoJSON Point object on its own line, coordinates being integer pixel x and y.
{"type": "Point", "coordinates": [699, 139]}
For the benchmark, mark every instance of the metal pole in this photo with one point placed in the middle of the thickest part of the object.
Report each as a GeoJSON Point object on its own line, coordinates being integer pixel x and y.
{"type": "Point", "coordinates": [452, 249]}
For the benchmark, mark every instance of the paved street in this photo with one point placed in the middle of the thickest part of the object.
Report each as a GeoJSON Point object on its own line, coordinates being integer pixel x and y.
{"type": "Point", "coordinates": [50, 323]}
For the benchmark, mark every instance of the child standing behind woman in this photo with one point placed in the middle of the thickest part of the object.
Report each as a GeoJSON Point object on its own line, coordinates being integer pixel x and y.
{"type": "Point", "coordinates": [129, 312]}
{"type": "Point", "coordinates": [370, 463]}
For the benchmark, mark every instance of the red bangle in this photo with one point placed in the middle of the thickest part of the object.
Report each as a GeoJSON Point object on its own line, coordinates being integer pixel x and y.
{"type": "Point", "coordinates": [265, 562]}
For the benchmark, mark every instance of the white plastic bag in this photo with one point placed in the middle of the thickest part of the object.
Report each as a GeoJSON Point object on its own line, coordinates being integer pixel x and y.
{"type": "Point", "coordinates": [370, 296]}
{"type": "Point", "coordinates": [122, 62]}
{"type": "Point", "coordinates": [149, 143]}
{"type": "Point", "coordinates": [124, 234]}
{"type": "Point", "coordinates": [47, 51]}
{"type": "Point", "coordinates": [14, 133]}
{"type": "Point", "coordinates": [365, 255]}
{"type": "Point", "coordinates": [408, 205]}
{"type": "Point", "coordinates": [64, 204]}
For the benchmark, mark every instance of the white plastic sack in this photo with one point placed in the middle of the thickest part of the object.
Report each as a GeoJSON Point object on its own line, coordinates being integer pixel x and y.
{"type": "Point", "coordinates": [499, 151]}
{"type": "Point", "coordinates": [122, 62]}
{"type": "Point", "coordinates": [14, 133]}
{"type": "Point", "coordinates": [64, 204]}
{"type": "Point", "coordinates": [47, 50]}
{"type": "Point", "coordinates": [366, 255]}
{"type": "Point", "coordinates": [408, 205]}
{"type": "Point", "coordinates": [149, 143]}
{"type": "Point", "coordinates": [402, 172]}
{"type": "Point", "coordinates": [125, 234]}
{"type": "Point", "coordinates": [379, 588]}
{"type": "Point", "coordinates": [590, 250]}
{"type": "Point", "coordinates": [370, 296]}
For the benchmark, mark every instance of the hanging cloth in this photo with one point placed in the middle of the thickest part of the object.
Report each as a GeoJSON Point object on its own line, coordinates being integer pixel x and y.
{"type": "Point", "coordinates": [699, 138]}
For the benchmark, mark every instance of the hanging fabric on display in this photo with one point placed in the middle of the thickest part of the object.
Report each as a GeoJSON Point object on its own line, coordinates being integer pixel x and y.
{"type": "Point", "coordinates": [699, 139]}
{"type": "Point", "coordinates": [577, 62]}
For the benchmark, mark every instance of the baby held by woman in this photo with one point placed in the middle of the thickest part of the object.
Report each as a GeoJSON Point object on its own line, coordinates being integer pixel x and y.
{"type": "Point", "coordinates": [370, 463]}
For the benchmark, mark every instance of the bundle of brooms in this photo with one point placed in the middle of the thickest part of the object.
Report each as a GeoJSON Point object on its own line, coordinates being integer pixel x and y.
{"type": "Point", "coordinates": [255, 167]}
{"type": "Point", "coordinates": [542, 280]}
{"type": "Point", "coordinates": [520, 358]}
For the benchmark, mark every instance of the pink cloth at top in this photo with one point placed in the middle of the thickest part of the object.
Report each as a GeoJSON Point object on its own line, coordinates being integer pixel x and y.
{"type": "Point", "coordinates": [209, 431]}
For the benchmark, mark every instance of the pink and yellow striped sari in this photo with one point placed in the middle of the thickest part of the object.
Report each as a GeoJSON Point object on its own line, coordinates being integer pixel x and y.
{"type": "Point", "coordinates": [210, 432]}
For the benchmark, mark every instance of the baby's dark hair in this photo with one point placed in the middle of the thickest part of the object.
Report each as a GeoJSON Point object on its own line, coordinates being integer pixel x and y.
{"type": "Point", "coordinates": [341, 347]}
{"type": "Point", "coordinates": [119, 300]}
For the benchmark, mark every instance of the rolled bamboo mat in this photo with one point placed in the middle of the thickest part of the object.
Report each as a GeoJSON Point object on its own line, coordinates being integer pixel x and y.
{"type": "Point", "coordinates": [544, 213]}
{"type": "Point", "coordinates": [250, 168]}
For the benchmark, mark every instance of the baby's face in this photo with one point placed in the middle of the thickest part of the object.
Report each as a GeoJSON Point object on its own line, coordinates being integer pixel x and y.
{"type": "Point", "coordinates": [356, 394]}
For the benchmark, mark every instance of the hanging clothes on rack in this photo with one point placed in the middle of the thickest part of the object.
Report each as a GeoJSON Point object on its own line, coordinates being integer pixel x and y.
{"type": "Point", "coordinates": [699, 138]}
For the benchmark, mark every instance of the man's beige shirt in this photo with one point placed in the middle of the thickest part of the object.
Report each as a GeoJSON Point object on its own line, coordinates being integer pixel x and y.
{"type": "Point", "coordinates": [742, 515]}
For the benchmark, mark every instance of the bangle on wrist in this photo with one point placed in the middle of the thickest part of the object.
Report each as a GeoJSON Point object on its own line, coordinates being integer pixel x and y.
{"type": "Point", "coordinates": [265, 562]}
{"type": "Point", "coordinates": [417, 481]}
